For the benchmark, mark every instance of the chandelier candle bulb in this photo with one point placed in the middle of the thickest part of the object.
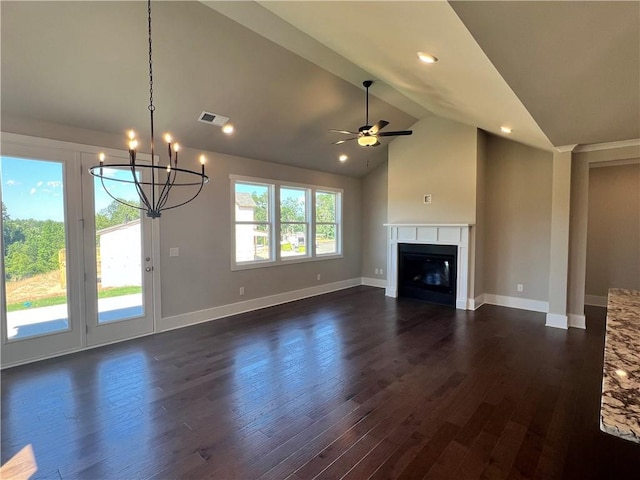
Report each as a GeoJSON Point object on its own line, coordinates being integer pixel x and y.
{"type": "Point", "coordinates": [176, 147]}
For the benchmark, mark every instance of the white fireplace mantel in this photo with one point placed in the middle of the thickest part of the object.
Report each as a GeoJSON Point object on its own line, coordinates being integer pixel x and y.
{"type": "Point", "coordinates": [429, 233]}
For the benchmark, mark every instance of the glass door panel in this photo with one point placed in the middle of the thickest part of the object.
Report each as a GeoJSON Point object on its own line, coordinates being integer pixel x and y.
{"type": "Point", "coordinates": [118, 255]}
{"type": "Point", "coordinates": [34, 237]}
{"type": "Point", "coordinates": [41, 262]}
{"type": "Point", "coordinates": [118, 252]}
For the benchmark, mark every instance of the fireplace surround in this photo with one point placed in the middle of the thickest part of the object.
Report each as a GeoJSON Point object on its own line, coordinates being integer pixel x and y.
{"type": "Point", "coordinates": [455, 236]}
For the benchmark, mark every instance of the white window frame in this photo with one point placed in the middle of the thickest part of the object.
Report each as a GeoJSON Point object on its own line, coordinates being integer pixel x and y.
{"type": "Point", "coordinates": [337, 223]}
{"type": "Point", "coordinates": [270, 223]}
{"type": "Point", "coordinates": [274, 223]}
{"type": "Point", "coordinates": [307, 223]}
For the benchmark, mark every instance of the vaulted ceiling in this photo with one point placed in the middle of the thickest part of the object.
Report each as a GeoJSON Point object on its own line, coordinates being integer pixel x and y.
{"type": "Point", "coordinates": [558, 73]}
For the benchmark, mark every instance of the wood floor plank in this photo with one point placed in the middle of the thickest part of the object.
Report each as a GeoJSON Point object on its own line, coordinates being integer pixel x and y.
{"type": "Point", "coordinates": [430, 453]}
{"type": "Point", "coordinates": [352, 384]}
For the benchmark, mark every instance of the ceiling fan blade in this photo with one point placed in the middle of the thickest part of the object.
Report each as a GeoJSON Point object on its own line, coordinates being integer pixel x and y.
{"type": "Point", "coordinates": [378, 126]}
{"type": "Point", "coordinates": [347, 132]}
{"type": "Point", "coordinates": [393, 134]}
{"type": "Point", "coordinates": [342, 141]}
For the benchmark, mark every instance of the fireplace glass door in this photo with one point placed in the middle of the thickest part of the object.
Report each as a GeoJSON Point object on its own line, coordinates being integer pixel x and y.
{"type": "Point", "coordinates": [428, 272]}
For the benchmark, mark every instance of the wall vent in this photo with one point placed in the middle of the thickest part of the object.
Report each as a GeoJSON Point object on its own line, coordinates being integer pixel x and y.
{"type": "Point", "coordinates": [213, 119]}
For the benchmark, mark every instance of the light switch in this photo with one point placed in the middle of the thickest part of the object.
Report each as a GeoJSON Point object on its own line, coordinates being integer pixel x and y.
{"type": "Point", "coordinates": [174, 252]}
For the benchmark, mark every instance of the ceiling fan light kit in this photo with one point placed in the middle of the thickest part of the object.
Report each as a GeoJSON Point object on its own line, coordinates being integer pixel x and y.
{"type": "Point", "coordinates": [367, 141]}
{"type": "Point", "coordinates": [368, 135]}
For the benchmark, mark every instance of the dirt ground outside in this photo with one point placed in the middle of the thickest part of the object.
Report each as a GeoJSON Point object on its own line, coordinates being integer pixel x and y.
{"type": "Point", "coordinates": [40, 286]}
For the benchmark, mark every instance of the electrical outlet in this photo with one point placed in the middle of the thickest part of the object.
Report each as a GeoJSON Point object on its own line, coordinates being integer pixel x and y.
{"type": "Point", "coordinates": [520, 287]}
{"type": "Point", "coordinates": [318, 277]}
{"type": "Point", "coordinates": [241, 290]}
{"type": "Point", "coordinates": [377, 271]}
{"type": "Point", "coordinates": [427, 199]}
{"type": "Point", "coordinates": [381, 271]}
{"type": "Point", "coordinates": [174, 252]}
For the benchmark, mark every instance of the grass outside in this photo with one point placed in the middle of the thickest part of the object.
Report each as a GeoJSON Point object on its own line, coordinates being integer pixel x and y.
{"type": "Point", "coordinates": [62, 299]}
{"type": "Point", "coordinates": [48, 289]}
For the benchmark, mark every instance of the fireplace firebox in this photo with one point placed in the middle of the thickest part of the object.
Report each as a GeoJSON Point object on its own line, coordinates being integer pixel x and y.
{"type": "Point", "coordinates": [428, 272]}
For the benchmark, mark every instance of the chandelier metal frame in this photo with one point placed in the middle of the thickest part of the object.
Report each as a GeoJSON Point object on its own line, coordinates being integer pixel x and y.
{"type": "Point", "coordinates": [154, 201]}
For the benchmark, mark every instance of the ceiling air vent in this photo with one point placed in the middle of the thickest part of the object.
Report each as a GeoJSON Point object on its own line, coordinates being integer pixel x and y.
{"type": "Point", "coordinates": [213, 119]}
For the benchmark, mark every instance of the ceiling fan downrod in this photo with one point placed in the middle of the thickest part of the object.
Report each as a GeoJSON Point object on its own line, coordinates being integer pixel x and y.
{"type": "Point", "coordinates": [367, 84]}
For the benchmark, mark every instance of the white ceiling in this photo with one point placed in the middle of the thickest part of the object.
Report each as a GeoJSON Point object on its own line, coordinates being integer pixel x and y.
{"type": "Point", "coordinates": [286, 72]}
{"type": "Point", "coordinates": [383, 39]}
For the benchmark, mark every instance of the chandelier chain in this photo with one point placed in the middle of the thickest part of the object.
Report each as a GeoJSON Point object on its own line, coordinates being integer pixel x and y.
{"type": "Point", "coordinates": [151, 106]}
{"type": "Point", "coordinates": [152, 182]}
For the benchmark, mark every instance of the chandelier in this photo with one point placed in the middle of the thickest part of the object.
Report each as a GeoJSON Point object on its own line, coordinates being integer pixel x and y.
{"type": "Point", "coordinates": [153, 182]}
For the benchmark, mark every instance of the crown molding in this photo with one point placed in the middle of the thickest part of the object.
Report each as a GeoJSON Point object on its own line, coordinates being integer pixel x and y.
{"type": "Point", "coordinates": [566, 148]}
{"type": "Point", "coordinates": [615, 163]}
{"type": "Point", "coordinates": [593, 147]}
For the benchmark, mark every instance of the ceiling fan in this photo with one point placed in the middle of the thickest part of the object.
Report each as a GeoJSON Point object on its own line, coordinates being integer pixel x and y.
{"type": "Point", "coordinates": [368, 135]}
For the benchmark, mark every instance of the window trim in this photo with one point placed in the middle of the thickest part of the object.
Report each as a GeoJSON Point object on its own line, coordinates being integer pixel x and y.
{"type": "Point", "coordinates": [308, 192]}
{"type": "Point", "coordinates": [337, 222]}
{"type": "Point", "coordinates": [276, 258]}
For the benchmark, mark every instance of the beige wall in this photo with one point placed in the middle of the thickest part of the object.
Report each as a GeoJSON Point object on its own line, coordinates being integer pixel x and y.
{"type": "Point", "coordinates": [478, 231]}
{"type": "Point", "coordinates": [518, 219]}
{"type": "Point", "coordinates": [440, 159]}
{"type": "Point", "coordinates": [374, 216]}
{"type": "Point", "coordinates": [501, 187]}
{"type": "Point", "coordinates": [579, 214]}
{"type": "Point", "coordinates": [201, 277]}
{"type": "Point", "coordinates": [613, 232]}
{"type": "Point", "coordinates": [578, 235]}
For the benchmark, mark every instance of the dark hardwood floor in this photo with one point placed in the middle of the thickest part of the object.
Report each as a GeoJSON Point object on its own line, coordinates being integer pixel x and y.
{"type": "Point", "coordinates": [350, 385]}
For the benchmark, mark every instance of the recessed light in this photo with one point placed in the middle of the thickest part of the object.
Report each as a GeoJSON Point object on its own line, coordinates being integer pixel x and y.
{"type": "Point", "coordinates": [343, 158]}
{"type": "Point", "coordinates": [506, 129]}
{"type": "Point", "coordinates": [227, 129]}
{"type": "Point", "coordinates": [621, 373]}
{"type": "Point", "coordinates": [427, 57]}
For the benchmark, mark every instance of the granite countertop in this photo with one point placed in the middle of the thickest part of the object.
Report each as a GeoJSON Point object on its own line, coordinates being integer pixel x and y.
{"type": "Point", "coordinates": [620, 410]}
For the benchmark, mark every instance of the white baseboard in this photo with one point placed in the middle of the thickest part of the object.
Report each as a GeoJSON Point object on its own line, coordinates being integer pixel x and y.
{"type": "Point", "coordinates": [595, 300]}
{"type": "Point", "coordinates": [193, 318]}
{"type": "Point", "coordinates": [557, 321]}
{"type": "Point", "coordinates": [516, 302]}
{"type": "Point", "coordinates": [374, 282]}
{"type": "Point", "coordinates": [476, 303]}
{"type": "Point", "coordinates": [577, 321]}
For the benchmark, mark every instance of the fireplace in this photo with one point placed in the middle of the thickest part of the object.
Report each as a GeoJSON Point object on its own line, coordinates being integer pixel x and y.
{"type": "Point", "coordinates": [454, 237]}
{"type": "Point", "coordinates": [428, 272]}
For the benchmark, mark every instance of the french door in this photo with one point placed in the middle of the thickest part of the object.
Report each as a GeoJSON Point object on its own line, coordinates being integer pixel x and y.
{"type": "Point", "coordinates": [77, 266]}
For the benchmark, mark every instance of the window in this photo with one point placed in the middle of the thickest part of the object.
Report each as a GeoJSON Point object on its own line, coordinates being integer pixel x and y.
{"type": "Point", "coordinates": [327, 225]}
{"type": "Point", "coordinates": [253, 222]}
{"type": "Point", "coordinates": [294, 222]}
{"type": "Point", "coordinates": [277, 223]}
